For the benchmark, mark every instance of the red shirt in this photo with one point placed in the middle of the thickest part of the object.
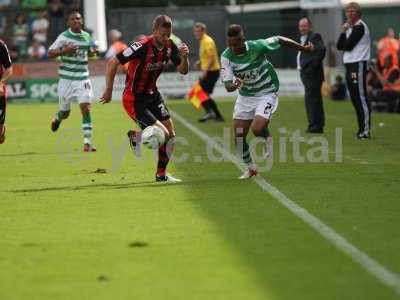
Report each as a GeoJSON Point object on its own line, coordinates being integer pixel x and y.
{"type": "Point", "coordinates": [5, 61]}
{"type": "Point", "coordinates": [146, 63]}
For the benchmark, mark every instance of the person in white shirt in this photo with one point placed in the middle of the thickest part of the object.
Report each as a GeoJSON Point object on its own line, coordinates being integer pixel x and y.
{"type": "Point", "coordinates": [355, 42]}
{"type": "Point", "coordinates": [40, 27]}
{"type": "Point", "coordinates": [36, 50]}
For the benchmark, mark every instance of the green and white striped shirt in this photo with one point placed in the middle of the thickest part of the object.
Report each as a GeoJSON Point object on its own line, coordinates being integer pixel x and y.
{"type": "Point", "coordinates": [74, 66]}
{"type": "Point", "coordinates": [253, 67]}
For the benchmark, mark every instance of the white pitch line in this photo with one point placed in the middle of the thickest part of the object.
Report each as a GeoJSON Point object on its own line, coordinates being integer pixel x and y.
{"type": "Point", "coordinates": [348, 157]}
{"type": "Point", "coordinates": [380, 272]}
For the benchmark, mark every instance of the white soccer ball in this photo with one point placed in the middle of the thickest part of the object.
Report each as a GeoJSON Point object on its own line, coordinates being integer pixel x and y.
{"type": "Point", "coordinates": [153, 137]}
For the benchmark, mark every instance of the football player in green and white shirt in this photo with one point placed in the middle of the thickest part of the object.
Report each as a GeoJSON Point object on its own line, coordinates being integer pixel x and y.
{"type": "Point", "coordinates": [73, 47]}
{"type": "Point", "coordinates": [246, 68]}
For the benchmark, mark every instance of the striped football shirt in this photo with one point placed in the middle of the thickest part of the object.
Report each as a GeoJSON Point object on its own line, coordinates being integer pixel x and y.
{"type": "Point", "coordinates": [253, 67]}
{"type": "Point", "coordinates": [73, 66]}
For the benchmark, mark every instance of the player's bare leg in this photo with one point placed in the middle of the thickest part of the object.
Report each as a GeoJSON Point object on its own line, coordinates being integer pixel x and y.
{"type": "Point", "coordinates": [2, 117]}
{"type": "Point", "coordinates": [2, 133]}
{"type": "Point", "coordinates": [87, 127]}
{"type": "Point", "coordinates": [60, 115]}
{"type": "Point", "coordinates": [135, 136]}
{"type": "Point", "coordinates": [260, 129]}
{"type": "Point", "coordinates": [165, 151]}
{"type": "Point", "coordinates": [241, 129]}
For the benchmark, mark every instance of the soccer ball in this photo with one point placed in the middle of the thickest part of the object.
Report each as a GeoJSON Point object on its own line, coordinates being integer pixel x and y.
{"type": "Point", "coordinates": [153, 137]}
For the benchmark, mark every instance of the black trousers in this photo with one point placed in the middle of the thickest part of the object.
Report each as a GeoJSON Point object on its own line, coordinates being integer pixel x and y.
{"type": "Point", "coordinates": [356, 78]}
{"type": "Point", "coordinates": [313, 101]}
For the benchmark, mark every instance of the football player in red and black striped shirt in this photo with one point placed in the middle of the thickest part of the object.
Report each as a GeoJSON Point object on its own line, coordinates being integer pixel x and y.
{"type": "Point", "coordinates": [5, 73]}
{"type": "Point", "coordinates": [147, 58]}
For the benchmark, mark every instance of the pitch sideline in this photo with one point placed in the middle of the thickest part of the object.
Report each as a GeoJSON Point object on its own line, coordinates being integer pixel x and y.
{"type": "Point", "coordinates": [385, 276]}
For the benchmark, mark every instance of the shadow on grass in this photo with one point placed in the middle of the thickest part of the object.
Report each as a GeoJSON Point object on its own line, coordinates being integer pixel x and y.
{"type": "Point", "coordinates": [18, 154]}
{"type": "Point", "coordinates": [287, 259]}
{"type": "Point", "coordinates": [145, 184]}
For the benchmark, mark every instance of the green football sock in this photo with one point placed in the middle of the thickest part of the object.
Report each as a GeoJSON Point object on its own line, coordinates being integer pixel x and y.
{"type": "Point", "coordinates": [246, 153]}
{"type": "Point", "coordinates": [59, 115]}
{"type": "Point", "coordinates": [87, 129]}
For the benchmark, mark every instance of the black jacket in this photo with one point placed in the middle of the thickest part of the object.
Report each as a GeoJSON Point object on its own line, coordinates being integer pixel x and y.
{"type": "Point", "coordinates": [311, 63]}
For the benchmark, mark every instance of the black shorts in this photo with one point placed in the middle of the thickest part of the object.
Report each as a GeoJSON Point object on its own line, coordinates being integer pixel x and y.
{"type": "Point", "coordinates": [3, 104]}
{"type": "Point", "coordinates": [146, 109]}
{"type": "Point", "coordinates": [208, 82]}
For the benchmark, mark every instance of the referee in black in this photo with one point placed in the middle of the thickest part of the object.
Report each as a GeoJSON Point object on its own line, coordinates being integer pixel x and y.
{"type": "Point", "coordinates": [355, 42]}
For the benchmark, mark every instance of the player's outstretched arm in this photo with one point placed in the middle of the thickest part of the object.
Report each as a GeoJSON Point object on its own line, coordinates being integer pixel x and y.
{"type": "Point", "coordinates": [112, 67]}
{"type": "Point", "coordinates": [183, 67]}
{"type": "Point", "coordinates": [284, 41]}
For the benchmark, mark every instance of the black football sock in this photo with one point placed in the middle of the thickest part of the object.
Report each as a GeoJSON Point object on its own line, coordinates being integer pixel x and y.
{"type": "Point", "coordinates": [207, 107]}
{"type": "Point", "coordinates": [214, 108]}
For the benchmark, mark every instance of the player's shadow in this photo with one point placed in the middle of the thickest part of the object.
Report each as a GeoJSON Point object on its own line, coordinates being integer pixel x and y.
{"type": "Point", "coordinates": [97, 186]}
{"type": "Point", "coordinates": [18, 154]}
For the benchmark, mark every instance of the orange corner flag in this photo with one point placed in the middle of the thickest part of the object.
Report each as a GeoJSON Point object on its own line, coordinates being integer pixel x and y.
{"type": "Point", "coordinates": [197, 95]}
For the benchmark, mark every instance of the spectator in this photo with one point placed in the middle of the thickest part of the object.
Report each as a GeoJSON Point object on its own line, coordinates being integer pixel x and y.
{"type": "Point", "coordinates": [21, 34]}
{"type": "Point", "coordinates": [355, 42]}
{"type": "Point", "coordinates": [311, 70]}
{"type": "Point", "coordinates": [373, 82]}
{"type": "Point", "coordinates": [116, 45]}
{"type": "Point", "coordinates": [338, 90]}
{"type": "Point", "coordinates": [36, 50]}
{"type": "Point", "coordinates": [388, 45]}
{"type": "Point", "coordinates": [390, 80]}
{"type": "Point", "coordinates": [56, 15]}
{"type": "Point", "coordinates": [40, 27]}
{"type": "Point", "coordinates": [13, 52]}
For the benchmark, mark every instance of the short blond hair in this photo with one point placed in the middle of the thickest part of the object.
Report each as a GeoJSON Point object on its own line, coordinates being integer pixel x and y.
{"type": "Point", "coordinates": [355, 6]}
{"type": "Point", "coordinates": [200, 25]}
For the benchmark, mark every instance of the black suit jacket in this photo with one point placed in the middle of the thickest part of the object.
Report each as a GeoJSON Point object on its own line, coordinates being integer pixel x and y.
{"type": "Point", "coordinates": [311, 63]}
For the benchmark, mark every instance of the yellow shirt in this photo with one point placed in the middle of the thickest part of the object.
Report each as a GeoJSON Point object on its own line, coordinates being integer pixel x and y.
{"type": "Point", "coordinates": [207, 49]}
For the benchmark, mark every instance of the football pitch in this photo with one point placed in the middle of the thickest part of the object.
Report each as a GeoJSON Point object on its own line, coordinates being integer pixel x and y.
{"type": "Point", "coordinates": [77, 225]}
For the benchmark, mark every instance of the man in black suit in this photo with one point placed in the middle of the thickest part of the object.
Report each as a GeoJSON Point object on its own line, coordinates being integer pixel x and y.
{"type": "Point", "coordinates": [311, 69]}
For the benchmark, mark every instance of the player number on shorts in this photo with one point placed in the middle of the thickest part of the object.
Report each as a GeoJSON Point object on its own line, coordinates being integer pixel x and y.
{"type": "Point", "coordinates": [87, 85]}
{"type": "Point", "coordinates": [163, 109]}
{"type": "Point", "coordinates": [267, 109]}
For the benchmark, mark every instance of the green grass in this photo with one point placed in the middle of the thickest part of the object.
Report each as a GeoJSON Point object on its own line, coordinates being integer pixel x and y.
{"type": "Point", "coordinates": [70, 233]}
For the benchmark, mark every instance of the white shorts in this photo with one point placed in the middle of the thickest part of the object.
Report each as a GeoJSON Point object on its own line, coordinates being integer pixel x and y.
{"type": "Point", "coordinates": [74, 90]}
{"type": "Point", "coordinates": [246, 107]}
